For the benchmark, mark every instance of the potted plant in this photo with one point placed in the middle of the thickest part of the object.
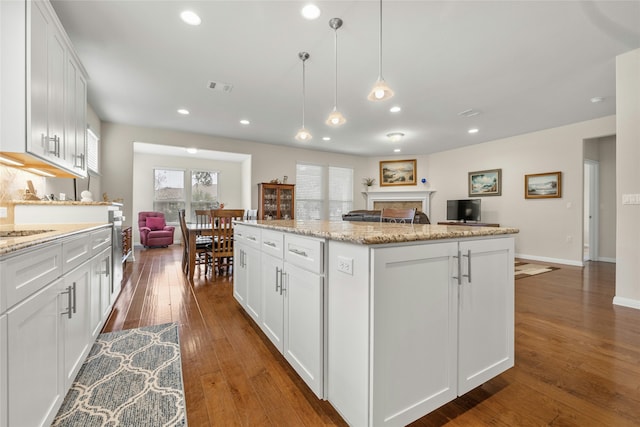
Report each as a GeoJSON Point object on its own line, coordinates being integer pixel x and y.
{"type": "Point", "coordinates": [368, 182]}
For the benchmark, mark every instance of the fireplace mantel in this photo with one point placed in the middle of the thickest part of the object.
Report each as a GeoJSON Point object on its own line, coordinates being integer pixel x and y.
{"type": "Point", "coordinates": [422, 196]}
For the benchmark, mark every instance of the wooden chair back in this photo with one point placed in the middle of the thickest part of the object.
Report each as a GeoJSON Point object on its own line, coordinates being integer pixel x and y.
{"type": "Point", "coordinates": [399, 215]}
{"type": "Point", "coordinates": [222, 231]}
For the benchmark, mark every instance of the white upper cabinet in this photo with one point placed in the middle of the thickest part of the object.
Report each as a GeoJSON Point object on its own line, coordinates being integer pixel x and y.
{"type": "Point", "coordinates": [50, 131]}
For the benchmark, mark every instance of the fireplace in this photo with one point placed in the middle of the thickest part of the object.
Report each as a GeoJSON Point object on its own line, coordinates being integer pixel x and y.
{"type": "Point", "coordinates": [399, 199]}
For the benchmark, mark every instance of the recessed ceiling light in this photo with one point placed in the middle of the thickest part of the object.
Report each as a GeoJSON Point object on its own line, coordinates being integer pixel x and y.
{"type": "Point", "coordinates": [473, 130]}
{"type": "Point", "coordinates": [395, 136]}
{"type": "Point", "coordinates": [192, 150]}
{"type": "Point", "coordinates": [396, 150]}
{"type": "Point", "coordinates": [326, 138]}
{"type": "Point", "coordinates": [190, 17]}
{"type": "Point", "coordinates": [183, 111]}
{"type": "Point", "coordinates": [395, 109]}
{"type": "Point", "coordinates": [597, 99]}
{"type": "Point", "coordinates": [245, 122]}
{"type": "Point", "coordinates": [469, 113]}
{"type": "Point", "coordinates": [310, 11]}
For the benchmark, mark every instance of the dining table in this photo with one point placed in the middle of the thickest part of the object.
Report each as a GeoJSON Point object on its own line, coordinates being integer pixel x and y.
{"type": "Point", "coordinates": [193, 231]}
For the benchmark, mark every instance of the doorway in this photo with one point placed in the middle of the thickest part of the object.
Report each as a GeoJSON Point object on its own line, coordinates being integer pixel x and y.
{"type": "Point", "coordinates": [591, 203]}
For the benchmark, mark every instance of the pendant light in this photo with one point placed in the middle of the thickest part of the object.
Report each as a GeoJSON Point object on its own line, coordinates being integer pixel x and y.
{"type": "Point", "coordinates": [336, 118]}
{"type": "Point", "coordinates": [303, 134]}
{"type": "Point", "coordinates": [380, 90]}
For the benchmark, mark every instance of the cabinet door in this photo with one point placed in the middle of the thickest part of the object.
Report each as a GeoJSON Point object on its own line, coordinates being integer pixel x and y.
{"type": "Point", "coordinates": [253, 285]}
{"type": "Point", "coordinates": [76, 320]}
{"type": "Point", "coordinates": [303, 326]}
{"type": "Point", "coordinates": [414, 347]}
{"type": "Point", "coordinates": [285, 205]}
{"type": "Point", "coordinates": [486, 311]}
{"type": "Point", "coordinates": [100, 295]}
{"type": "Point", "coordinates": [75, 121]}
{"type": "Point", "coordinates": [37, 142]}
{"type": "Point", "coordinates": [3, 371]}
{"type": "Point", "coordinates": [272, 323]}
{"type": "Point", "coordinates": [55, 105]}
{"type": "Point", "coordinates": [35, 387]}
{"type": "Point", "coordinates": [240, 273]}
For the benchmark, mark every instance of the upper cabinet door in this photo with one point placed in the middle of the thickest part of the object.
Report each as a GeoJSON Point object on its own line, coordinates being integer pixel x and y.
{"type": "Point", "coordinates": [37, 89]}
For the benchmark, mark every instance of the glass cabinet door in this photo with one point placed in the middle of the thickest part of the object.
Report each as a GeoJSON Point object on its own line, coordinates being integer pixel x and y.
{"type": "Point", "coordinates": [270, 203]}
{"type": "Point", "coordinates": [286, 197]}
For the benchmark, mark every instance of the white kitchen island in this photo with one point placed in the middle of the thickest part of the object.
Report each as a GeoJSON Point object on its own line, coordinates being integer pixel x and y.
{"type": "Point", "coordinates": [396, 320]}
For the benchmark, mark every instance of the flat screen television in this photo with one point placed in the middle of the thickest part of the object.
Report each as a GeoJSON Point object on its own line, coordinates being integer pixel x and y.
{"type": "Point", "coordinates": [463, 210]}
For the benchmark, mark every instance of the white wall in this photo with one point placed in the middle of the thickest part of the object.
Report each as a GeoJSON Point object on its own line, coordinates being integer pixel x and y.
{"type": "Point", "coordinates": [607, 208]}
{"type": "Point", "coordinates": [628, 178]}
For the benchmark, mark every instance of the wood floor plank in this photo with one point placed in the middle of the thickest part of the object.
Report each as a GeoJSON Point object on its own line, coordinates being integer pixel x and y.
{"type": "Point", "coordinates": [577, 355]}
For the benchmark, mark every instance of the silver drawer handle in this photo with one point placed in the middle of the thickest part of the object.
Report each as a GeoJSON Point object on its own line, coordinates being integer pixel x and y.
{"type": "Point", "coordinates": [273, 245]}
{"type": "Point", "coordinates": [251, 238]}
{"type": "Point", "coordinates": [298, 252]}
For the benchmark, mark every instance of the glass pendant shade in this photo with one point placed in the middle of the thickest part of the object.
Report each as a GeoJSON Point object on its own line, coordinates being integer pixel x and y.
{"type": "Point", "coordinates": [380, 91]}
{"type": "Point", "coordinates": [336, 118]}
{"type": "Point", "coordinates": [303, 135]}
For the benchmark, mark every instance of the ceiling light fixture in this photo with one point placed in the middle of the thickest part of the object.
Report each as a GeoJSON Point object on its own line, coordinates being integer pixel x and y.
{"type": "Point", "coordinates": [597, 99]}
{"type": "Point", "coordinates": [473, 130]}
{"type": "Point", "coordinates": [303, 134]}
{"type": "Point", "coordinates": [310, 11]}
{"type": "Point", "coordinates": [326, 138]}
{"type": "Point", "coordinates": [190, 17]}
{"type": "Point", "coordinates": [336, 118]}
{"type": "Point", "coordinates": [245, 122]}
{"type": "Point", "coordinates": [395, 109]}
{"type": "Point", "coordinates": [380, 90]}
{"type": "Point", "coordinates": [396, 150]}
{"type": "Point", "coordinates": [183, 111]}
{"type": "Point", "coordinates": [395, 136]}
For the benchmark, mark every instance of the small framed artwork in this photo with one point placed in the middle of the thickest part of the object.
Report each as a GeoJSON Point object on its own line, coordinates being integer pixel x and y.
{"type": "Point", "coordinates": [485, 183]}
{"type": "Point", "coordinates": [543, 185]}
{"type": "Point", "coordinates": [397, 172]}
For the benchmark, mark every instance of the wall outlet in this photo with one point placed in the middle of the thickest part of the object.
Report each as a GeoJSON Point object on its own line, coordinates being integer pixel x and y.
{"type": "Point", "coordinates": [631, 199]}
{"type": "Point", "coordinates": [345, 265]}
{"type": "Point", "coordinates": [3, 212]}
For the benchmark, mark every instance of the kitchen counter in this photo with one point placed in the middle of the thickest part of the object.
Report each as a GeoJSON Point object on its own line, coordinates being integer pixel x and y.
{"type": "Point", "coordinates": [373, 233]}
{"type": "Point", "coordinates": [53, 231]}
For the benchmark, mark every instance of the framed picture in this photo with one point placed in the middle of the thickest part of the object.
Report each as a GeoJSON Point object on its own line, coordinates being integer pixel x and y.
{"type": "Point", "coordinates": [543, 185]}
{"type": "Point", "coordinates": [397, 172]}
{"type": "Point", "coordinates": [485, 183]}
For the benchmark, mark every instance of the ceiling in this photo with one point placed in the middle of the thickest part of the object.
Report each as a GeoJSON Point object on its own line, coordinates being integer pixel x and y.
{"type": "Point", "coordinates": [524, 66]}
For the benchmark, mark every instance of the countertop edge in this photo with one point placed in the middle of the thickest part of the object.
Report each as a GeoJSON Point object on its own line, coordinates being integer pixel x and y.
{"type": "Point", "coordinates": [10, 246]}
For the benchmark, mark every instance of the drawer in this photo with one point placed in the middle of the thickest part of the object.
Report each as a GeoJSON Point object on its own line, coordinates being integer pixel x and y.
{"type": "Point", "coordinates": [75, 251]}
{"type": "Point", "coordinates": [27, 273]}
{"type": "Point", "coordinates": [272, 243]}
{"type": "Point", "coordinates": [305, 252]}
{"type": "Point", "coordinates": [100, 240]}
{"type": "Point", "coordinates": [249, 236]}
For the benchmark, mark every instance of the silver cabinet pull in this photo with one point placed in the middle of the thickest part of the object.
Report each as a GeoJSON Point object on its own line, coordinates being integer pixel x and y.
{"type": "Point", "coordinates": [298, 252]}
{"type": "Point", "coordinates": [253, 238]}
{"type": "Point", "coordinates": [69, 311]}
{"type": "Point", "coordinates": [273, 245]}
{"type": "Point", "coordinates": [459, 276]}
{"type": "Point", "coordinates": [468, 275]}
{"type": "Point", "coordinates": [278, 275]}
{"type": "Point", "coordinates": [74, 297]}
{"type": "Point", "coordinates": [282, 276]}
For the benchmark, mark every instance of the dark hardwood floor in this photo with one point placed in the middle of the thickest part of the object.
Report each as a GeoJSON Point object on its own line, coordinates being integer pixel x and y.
{"type": "Point", "coordinates": [577, 355]}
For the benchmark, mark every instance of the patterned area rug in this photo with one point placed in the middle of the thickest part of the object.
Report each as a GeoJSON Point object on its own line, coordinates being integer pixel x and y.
{"type": "Point", "coordinates": [524, 269]}
{"type": "Point", "coordinates": [130, 378]}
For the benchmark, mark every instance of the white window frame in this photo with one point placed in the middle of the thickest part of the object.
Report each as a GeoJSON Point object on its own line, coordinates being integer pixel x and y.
{"type": "Point", "coordinates": [325, 199]}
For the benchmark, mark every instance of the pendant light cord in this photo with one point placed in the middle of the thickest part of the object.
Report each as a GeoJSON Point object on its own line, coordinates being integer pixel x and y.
{"type": "Point", "coordinates": [380, 46]}
{"type": "Point", "coordinates": [335, 103]}
{"type": "Point", "coordinates": [304, 95]}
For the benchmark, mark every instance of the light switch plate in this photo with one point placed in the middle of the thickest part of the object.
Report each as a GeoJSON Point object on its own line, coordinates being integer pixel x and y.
{"type": "Point", "coordinates": [3, 212]}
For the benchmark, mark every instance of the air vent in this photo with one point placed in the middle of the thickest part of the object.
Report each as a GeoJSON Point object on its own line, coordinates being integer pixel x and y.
{"type": "Point", "coordinates": [469, 113]}
{"type": "Point", "coordinates": [220, 87]}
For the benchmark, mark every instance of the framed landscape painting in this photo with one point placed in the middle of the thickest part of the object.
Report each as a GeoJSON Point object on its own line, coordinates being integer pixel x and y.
{"type": "Point", "coordinates": [397, 172]}
{"type": "Point", "coordinates": [543, 185]}
{"type": "Point", "coordinates": [485, 183]}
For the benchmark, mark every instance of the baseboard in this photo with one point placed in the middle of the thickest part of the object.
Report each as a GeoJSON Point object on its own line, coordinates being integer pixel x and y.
{"type": "Point", "coordinates": [627, 302]}
{"type": "Point", "coordinates": [551, 260]}
{"type": "Point", "coordinates": [605, 259]}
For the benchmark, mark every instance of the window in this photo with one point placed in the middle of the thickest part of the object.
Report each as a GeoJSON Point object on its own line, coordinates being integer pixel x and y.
{"type": "Point", "coordinates": [169, 193]}
{"type": "Point", "coordinates": [316, 184]}
{"type": "Point", "coordinates": [93, 152]}
{"type": "Point", "coordinates": [204, 190]}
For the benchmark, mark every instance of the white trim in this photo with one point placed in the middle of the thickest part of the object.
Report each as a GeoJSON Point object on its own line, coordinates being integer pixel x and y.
{"type": "Point", "coordinates": [422, 196]}
{"type": "Point", "coordinates": [605, 259]}
{"type": "Point", "coordinates": [551, 260]}
{"type": "Point", "coordinates": [627, 302]}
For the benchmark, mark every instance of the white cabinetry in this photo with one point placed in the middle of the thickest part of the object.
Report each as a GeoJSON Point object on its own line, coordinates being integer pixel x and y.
{"type": "Point", "coordinates": [246, 268]}
{"type": "Point", "coordinates": [44, 84]}
{"type": "Point", "coordinates": [49, 324]}
{"type": "Point", "coordinates": [291, 278]}
{"type": "Point", "coordinates": [101, 286]}
{"type": "Point", "coordinates": [402, 316]}
{"type": "Point", "coordinates": [3, 370]}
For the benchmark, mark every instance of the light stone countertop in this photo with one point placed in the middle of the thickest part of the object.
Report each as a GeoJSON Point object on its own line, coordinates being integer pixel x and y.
{"type": "Point", "coordinates": [374, 233]}
{"type": "Point", "coordinates": [53, 231]}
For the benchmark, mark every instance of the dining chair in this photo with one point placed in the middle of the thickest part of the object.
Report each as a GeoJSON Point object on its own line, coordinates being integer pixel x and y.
{"type": "Point", "coordinates": [222, 231]}
{"type": "Point", "coordinates": [398, 215]}
{"type": "Point", "coordinates": [203, 247]}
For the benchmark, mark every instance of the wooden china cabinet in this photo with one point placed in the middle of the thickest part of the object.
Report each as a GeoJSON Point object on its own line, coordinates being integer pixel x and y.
{"type": "Point", "coordinates": [276, 201]}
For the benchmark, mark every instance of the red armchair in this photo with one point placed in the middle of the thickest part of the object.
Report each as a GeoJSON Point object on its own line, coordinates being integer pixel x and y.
{"type": "Point", "coordinates": [153, 230]}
